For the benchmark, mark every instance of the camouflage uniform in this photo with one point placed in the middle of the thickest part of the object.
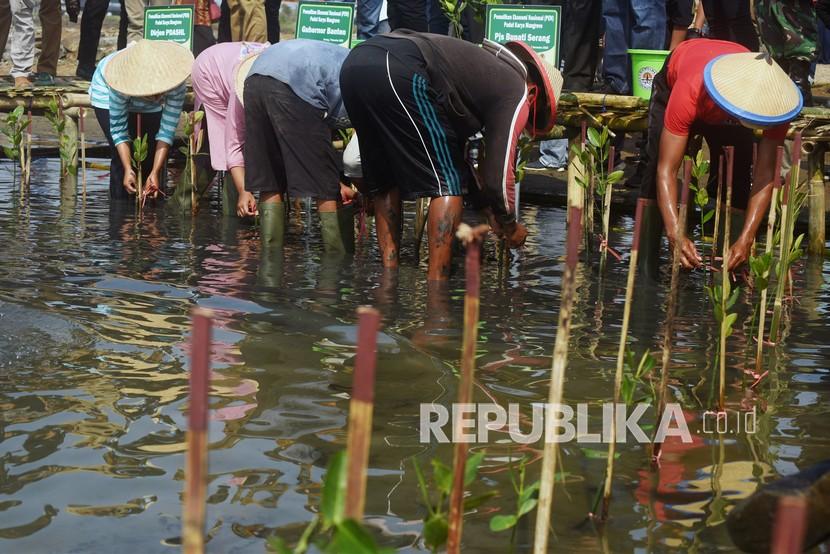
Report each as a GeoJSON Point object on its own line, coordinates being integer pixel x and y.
{"type": "Point", "coordinates": [787, 29]}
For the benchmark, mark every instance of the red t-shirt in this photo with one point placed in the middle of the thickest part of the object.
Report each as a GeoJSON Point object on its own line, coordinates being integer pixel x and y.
{"type": "Point", "coordinates": [688, 99]}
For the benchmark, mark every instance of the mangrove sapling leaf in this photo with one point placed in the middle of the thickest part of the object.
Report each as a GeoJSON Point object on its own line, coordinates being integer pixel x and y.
{"type": "Point", "coordinates": [635, 374]}
{"type": "Point", "coordinates": [352, 538]}
{"type": "Point", "coordinates": [332, 506]}
{"type": "Point", "coordinates": [760, 267]}
{"type": "Point", "coordinates": [796, 251]}
{"type": "Point", "coordinates": [471, 468]}
{"type": "Point", "coordinates": [526, 499]}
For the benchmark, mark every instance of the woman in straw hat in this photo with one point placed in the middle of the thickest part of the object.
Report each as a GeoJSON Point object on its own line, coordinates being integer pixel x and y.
{"type": "Point", "coordinates": [414, 99]}
{"type": "Point", "coordinates": [145, 78]}
{"type": "Point", "coordinates": [721, 91]}
{"type": "Point", "coordinates": [291, 94]}
{"type": "Point", "coordinates": [213, 84]}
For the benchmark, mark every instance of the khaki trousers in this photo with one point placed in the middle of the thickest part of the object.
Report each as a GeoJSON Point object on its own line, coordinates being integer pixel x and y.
{"type": "Point", "coordinates": [248, 21]}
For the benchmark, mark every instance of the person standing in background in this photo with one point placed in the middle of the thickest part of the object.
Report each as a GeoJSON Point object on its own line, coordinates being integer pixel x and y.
{"type": "Point", "coordinates": [789, 31]}
{"type": "Point", "coordinates": [250, 21]}
{"type": "Point", "coordinates": [20, 15]}
{"type": "Point", "coordinates": [728, 20]}
{"type": "Point", "coordinates": [92, 20]}
{"type": "Point", "coordinates": [629, 24]}
{"type": "Point", "coordinates": [424, 16]}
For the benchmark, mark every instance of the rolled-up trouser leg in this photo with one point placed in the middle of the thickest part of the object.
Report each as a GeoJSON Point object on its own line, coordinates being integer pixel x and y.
{"type": "Point", "coordinates": [22, 50]}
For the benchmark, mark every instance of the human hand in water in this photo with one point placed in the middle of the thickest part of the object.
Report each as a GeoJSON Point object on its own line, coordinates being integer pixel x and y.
{"type": "Point", "coordinates": [246, 205]}
{"type": "Point", "coordinates": [129, 181]}
{"type": "Point", "coordinates": [738, 253]}
{"type": "Point", "coordinates": [689, 258]}
{"type": "Point", "coordinates": [515, 234]}
{"type": "Point", "coordinates": [151, 187]}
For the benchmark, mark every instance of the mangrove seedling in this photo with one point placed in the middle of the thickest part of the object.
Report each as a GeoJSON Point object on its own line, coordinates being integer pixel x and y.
{"type": "Point", "coordinates": [526, 500]}
{"type": "Point", "coordinates": [436, 522]}
{"type": "Point", "coordinates": [635, 377]}
{"type": "Point", "coordinates": [331, 531]}
{"type": "Point", "coordinates": [700, 170]}
{"type": "Point", "coordinates": [13, 126]}
{"type": "Point", "coordinates": [190, 183]}
{"type": "Point", "coordinates": [597, 178]}
{"type": "Point", "coordinates": [723, 300]}
{"type": "Point", "coordinates": [139, 155]}
{"type": "Point", "coordinates": [67, 146]}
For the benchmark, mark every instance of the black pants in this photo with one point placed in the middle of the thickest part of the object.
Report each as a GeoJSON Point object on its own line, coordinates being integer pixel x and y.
{"type": "Point", "coordinates": [91, 21]}
{"type": "Point", "coordinates": [731, 20]}
{"type": "Point", "coordinates": [717, 136]}
{"type": "Point", "coordinates": [424, 16]}
{"type": "Point", "coordinates": [150, 123]}
{"type": "Point", "coordinates": [580, 39]}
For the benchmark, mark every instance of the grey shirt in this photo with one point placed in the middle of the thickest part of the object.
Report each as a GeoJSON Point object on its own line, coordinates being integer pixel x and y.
{"type": "Point", "coordinates": [312, 69]}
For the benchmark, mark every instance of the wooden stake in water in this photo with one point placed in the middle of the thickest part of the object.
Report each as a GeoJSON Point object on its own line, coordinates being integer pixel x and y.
{"type": "Point", "coordinates": [195, 476]}
{"type": "Point", "coordinates": [192, 147]}
{"type": "Point", "coordinates": [790, 525]}
{"type": "Point", "coordinates": [139, 184]}
{"type": "Point", "coordinates": [360, 411]}
{"type": "Point", "coordinates": [629, 294]}
{"type": "Point", "coordinates": [729, 151]}
{"type": "Point", "coordinates": [718, 198]}
{"type": "Point", "coordinates": [762, 316]}
{"type": "Point", "coordinates": [557, 383]}
{"type": "Point", "coordinates": [29, 149]}
{"type": "Point", "coordinates": [671, 308]}
{"type": "Point", "coordinates": [786, 237]}
{"type": "Point", "coordinates": [471, 238]}
{"type": "Point", "coordinates": [606, 210]}
{"type": "Point", "coordinates": [83, 152]}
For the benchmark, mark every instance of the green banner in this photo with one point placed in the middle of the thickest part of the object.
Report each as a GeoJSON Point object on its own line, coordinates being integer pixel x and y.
{"type": "Point", "coordinates": [326, 21]}
{"type": "Point", "coordinates": [173, 23]}
{"type": "Point", "coordinates": [538, 26]}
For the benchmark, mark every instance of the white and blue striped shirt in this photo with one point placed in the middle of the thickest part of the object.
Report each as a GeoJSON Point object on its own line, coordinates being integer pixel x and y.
{"type": "Point", "coordinates": [119, 105]}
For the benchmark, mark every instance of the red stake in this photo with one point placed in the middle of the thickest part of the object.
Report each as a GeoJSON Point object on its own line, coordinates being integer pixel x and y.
{"type": "Point", "coordinates": [195, 476]}
{"type": "Point", "coordinates": [360, 411]}
{"type": "Point", "coordinates": [472, 240]}
{"type": "Point", "coordinates": [790, 525]}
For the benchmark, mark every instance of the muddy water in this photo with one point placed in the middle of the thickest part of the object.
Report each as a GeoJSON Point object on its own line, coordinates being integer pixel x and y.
{"type": "Point", "coordinates": [93, 375]}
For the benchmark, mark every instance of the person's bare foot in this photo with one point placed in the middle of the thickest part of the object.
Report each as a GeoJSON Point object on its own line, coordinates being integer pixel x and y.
{"type": "Point", "coordinates": [22, 82]}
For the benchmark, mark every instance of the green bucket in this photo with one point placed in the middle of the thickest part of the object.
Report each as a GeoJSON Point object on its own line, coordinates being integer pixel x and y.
{"type": "Point", "coordinates": [644, 67]}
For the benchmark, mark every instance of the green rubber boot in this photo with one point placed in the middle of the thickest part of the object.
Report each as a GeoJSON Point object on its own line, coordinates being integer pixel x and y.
{"type": "Point", "coordinates": [272, 218]}
{"type": "Point", "coordinates": [651, 238]}
{"type": "Point", "coordinates": [230, 197]}
{"type": "Point", "coordinates": [337, 229]}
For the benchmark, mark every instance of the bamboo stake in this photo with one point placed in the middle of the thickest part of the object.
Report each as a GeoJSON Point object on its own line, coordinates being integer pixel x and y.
{"type": "Point", "coordinates": [717, 211]}
{"type": "Point", "coordinates": [83, 152]}
{"type": "Point", "coordinates": [606, 210]}
{"type": "Point", "coordinates": [776, 186]}
{"type": "Point", "coordinates": [629, 294]}
{"type": "Point", "coordinates": [192, 146]}
{"type": "Point", "coordinates": [575, 192]}
{"type": "Point", "coordinates": [790, 525]}
{"type": "Point", "coordinates": [680, 236]}
{"type": "Point", "coordinates": [139, 185]}
{"type": "Point", "coordinates": [729, 151]}
{"type": "Point", "coordinates": [560, 361]}
{"type": "Point", "coordinates": [816, 236]}
{"type": "Point", "coordinates": [29, 150]}
{"type": "Point", "coordinates": [360, 411]}
{"type": "Point", "coordinates": [472, 239]}
{"type": "Point", "coordinates": [788, 194]}
{"type": "Point", "coordinates": [195, 476]}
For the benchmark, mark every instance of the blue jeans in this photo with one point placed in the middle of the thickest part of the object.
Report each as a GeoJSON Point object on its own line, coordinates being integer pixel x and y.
{"type": "Point", "coordinates": [368, 13]}
{"type": "Point", "coordinates": [630, 24]}
{"type": "Point", "coordinates": [554, 153]}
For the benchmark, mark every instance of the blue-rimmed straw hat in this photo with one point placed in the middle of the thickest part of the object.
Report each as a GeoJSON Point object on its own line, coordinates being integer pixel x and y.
{"type": "Point", "coordinates": [752, 88]}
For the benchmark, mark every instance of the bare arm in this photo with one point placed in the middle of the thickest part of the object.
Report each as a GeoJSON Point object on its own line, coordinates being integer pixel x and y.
{"type": "Point", "coordinates": [672, 148]}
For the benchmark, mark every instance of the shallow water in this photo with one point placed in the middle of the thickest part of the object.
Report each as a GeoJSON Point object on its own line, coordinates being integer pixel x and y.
{"type": "Point", "coordinates": [94, 320]}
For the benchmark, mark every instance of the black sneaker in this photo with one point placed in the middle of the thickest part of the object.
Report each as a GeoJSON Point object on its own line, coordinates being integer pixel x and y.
{"type": "Point", "coordinates": [43, 79]}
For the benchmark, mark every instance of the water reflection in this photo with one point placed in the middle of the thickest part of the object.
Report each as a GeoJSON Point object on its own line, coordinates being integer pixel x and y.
{"type": "Point", "coordinates": [94, 326]}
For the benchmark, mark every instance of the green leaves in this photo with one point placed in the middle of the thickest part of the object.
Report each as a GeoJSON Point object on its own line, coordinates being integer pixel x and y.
{"type": "Point", "coordinates": [526, 500]}
{"type": "Point", "coordinates": [333, 503]}
{"type": "Point", "coordinates": [436, 528]}
{"type": "Point", "coordinates": [139, 150]}
{"type": "Point", "coordinates": [634, 375]}
{"type": "Point", "coordinates": [347, 535]}
{"type": "Point", "coordinates": [760, 267]}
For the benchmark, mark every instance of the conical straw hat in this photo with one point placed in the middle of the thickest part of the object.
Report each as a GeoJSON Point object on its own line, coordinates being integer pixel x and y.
{"type": "Point", "coordinates": [547, 78]}
{"type": "Point", "coordinates": [242, 70]}
{"type": "Point", "coordinates": [754, 89]}
{"type": "Point", "coordinates": [148, 68]}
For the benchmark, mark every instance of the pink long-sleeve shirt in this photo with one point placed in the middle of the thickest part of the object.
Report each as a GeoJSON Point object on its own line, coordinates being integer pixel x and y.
{"type": "Point", "coordinates": [213, 83]}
